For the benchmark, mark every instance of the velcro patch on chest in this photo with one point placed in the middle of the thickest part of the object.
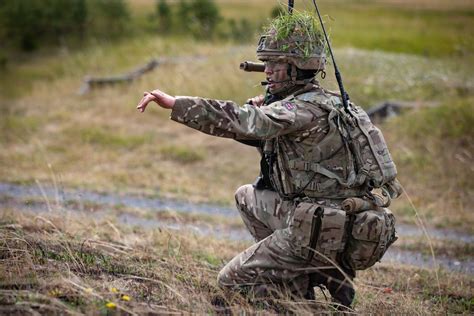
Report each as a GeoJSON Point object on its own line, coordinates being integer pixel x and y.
{"type": "Point", "coordinates": [289, 106]}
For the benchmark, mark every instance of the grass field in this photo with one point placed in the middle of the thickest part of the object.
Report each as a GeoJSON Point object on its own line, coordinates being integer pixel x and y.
{"type": "Point", "coordinates": [415, 51]}
{"type": "Point", "coordinates": [50, 129]}
{"type": "Point", "coordinates": [69, 264]}
{"type": "Point", "coordinates": [428, 28]}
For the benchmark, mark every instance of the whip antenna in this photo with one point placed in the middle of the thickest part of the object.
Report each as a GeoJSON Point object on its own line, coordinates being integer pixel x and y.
{"type": "Point", "coordinates": [344, 95]}
{"type": "Point", "coordinates": [291, 3]}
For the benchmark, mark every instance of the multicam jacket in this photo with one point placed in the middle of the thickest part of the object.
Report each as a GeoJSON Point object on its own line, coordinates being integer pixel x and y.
{"type": "Point", "coordinates": [297, 128]}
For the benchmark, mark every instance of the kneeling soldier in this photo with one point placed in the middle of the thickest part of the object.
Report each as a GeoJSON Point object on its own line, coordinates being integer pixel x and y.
{"type": "Point", "coordinates": [313, 213]}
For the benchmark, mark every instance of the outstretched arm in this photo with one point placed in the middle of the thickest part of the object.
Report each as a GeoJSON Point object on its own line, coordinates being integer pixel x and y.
{"type": "Point", "coordinates": [227, 119]}
{"type": "Point", "coordinates": [164, 100]}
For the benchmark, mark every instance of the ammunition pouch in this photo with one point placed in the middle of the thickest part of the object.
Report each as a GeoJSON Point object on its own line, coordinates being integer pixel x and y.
{"type": "Point", "coordinates": [370, 235]}
{"type": "Point", "coordinates": [318, 232]}
{"type": "Point", "coordinates": [322, 234]}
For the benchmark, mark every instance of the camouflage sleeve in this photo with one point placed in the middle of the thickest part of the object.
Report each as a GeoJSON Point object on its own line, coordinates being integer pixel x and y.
{"type": "Point", "coordinates": [227, 119]}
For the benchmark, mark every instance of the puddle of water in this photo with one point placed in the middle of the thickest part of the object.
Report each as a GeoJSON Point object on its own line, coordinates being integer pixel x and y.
{"type": "Point", "coordinates": [214, 230]}
{"type": "Point", "coordinates": [161, 204]}
{"type": "Point", "coordinates": [415, 231]}
{"type": "Point", "coordinates": [397, 255]}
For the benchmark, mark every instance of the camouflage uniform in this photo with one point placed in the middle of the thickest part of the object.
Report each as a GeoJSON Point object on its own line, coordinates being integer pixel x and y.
{"type": "Point", "coordinates": [298, 129]}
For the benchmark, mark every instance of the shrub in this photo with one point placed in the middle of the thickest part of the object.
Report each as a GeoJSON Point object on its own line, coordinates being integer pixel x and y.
{"type": "Point", "coordinates": [205, 17]}
{"type": "Point", "coordinates": [184, 15]}
{"type": "Point", "coordinates": [243, 31]}
{"type": "Point", "coordinates": [163, 13]}
{"type": "Point", "coordinates": [198, 17]}
{"type": "Point", "coordinates": [108, 18]}
{"type": "Point", "coordinates": [29, 24]}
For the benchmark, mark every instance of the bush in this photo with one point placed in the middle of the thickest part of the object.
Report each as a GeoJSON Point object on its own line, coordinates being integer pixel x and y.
{"type": "Point", "coordinates": [198, 17]}
{"type": "Point", "coordinates": [205, 17]}
{"type": "Point", "coordinates": [108, 18]}
{"type": "Point", "coordinates": [163, 13]}
{"type": "Point", "coordinates": [29, 24]}
{"type": "Point", "coordinates": [183, 16]}
{"type": "Point", "coordinates": [243, 31]}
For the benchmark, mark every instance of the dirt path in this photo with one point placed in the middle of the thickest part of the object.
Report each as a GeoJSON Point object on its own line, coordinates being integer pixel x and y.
{"type": "Point", "coordinates": [36, 199]}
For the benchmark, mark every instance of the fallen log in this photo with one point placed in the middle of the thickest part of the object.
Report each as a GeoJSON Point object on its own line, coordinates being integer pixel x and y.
{"type": "Point", "coordinates": [96, 82]}
{"type": "Point", "coordinates": [387, 109]}
{"type": "Point", "coordinates": [91, 82]}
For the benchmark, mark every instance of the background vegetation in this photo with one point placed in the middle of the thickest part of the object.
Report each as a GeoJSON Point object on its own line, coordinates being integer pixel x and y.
{"type": "Point", "coordinates": [414, 51]}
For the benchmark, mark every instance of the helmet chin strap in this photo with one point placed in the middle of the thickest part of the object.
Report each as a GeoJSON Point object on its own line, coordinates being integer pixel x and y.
{"type": "Point", "coordinates": [292, 80]}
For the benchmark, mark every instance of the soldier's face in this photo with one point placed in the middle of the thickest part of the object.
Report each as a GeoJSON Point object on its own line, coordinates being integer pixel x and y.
{"type": "Point", "coordinates": [277, 76]}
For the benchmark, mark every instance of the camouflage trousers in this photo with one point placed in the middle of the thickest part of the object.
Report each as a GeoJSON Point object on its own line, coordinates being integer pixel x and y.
{"type": "Point", "coordinates": [277, 262]}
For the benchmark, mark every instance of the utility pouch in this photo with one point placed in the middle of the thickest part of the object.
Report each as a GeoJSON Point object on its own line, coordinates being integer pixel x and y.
{"type": "Point", "coordinates": [331, 235]}
{"type": "Point", "coordinates": [372, 232]}
{"type": "Point", "coordinates": [304, 228]}
{"type": "Point", "coordinates": [317, 231]}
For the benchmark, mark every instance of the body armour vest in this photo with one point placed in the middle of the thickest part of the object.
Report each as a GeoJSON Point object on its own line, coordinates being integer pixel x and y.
{"type": "Point", "coordinates": [338, 155]}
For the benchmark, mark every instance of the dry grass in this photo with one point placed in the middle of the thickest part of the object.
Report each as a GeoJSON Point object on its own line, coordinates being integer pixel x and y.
{"type": "Point", "coordinates": [54, 263]}
{"type": "Point", "coordinates": [434, 149]}
{"type": "Point", "coordinates": [116, 139]}
{"type": "Point", "coordinates": [67, 264]}
{"type": "Point", "coordinates": [100, 142]}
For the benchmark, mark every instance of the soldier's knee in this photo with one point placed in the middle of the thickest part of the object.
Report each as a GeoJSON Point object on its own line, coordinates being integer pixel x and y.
{"type": "Point", "coordinates": [223, 280]}
{"type": "Point", "coordinates": [242, 193]}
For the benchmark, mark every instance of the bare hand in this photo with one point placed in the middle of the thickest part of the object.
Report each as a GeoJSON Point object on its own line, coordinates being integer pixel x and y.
{"type": "Point", "coordinates": [162, 99]}
{"type": "Point", "coordinates": [257, 101]}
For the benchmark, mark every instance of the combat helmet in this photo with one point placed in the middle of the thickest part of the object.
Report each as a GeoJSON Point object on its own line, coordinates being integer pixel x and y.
{"type": "Point", "coordinates": [294, 39]}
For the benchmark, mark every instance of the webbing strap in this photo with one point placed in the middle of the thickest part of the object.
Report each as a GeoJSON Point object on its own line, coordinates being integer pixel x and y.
{"type": "Point", "coordinates": [371, 142]}
{"type": "Point", "coordinates": [314, 166]}
{"type": "Point", "coordinates": [318, 168]}
{"type": "Point", "coordinates": [340, 194]}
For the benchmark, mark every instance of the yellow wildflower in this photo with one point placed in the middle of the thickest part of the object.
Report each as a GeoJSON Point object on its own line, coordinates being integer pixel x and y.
{"type": "Point", "coordinates": [111, 305]}
{"type": "Point", "coordinates": [54, 293]}
{"type": "Point", "coordinates": [114, 290]}
{"type": "Point", "coordinates": [125, 298]}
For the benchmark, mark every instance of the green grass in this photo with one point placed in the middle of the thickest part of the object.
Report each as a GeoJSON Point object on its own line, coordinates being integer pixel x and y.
{"type": "Point", "coordinates": [411, 30]}
{"type": "Point", "coordinates": [362, 24]}
{"type": "Point", "coordinates": [101, 137]}
{"type": "Point", "coordinates": [433, 149]}
{"type": "Point", "coordinates": [453, 120]}
{"type": "Point", "coordinates": [181, 154]}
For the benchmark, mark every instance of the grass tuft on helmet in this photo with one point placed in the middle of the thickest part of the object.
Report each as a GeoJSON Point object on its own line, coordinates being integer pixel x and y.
{"type": "Point", "coordinates": [296, 39]}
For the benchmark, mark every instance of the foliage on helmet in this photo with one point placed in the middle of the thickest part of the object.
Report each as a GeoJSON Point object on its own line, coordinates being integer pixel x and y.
{"type": "Point", "coordinates": [295, 38]}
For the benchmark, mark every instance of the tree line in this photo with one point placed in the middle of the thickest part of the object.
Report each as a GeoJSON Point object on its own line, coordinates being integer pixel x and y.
{"type": "Point", "coordinates": [30, 24]}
